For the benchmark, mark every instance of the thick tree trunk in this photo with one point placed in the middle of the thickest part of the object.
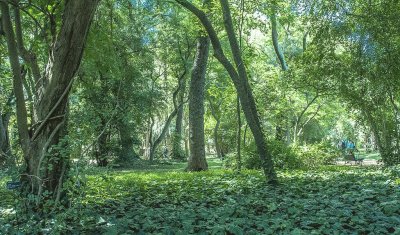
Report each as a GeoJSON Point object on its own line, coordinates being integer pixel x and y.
{"type": "Point", "coordinates": [46, 165]}
{"type": "Point", "coordinates": [126, 142]}
{"type": "Point", "coordinates": [239, 79]}
{"type": "Point", "coordinates": [187, 148]}
{"type": "Point", "coordinates": [51, 108]}
{"type": "Point", "coordinates": [197, 158]}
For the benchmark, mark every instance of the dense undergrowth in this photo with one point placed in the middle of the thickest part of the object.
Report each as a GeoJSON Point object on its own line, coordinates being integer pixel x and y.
{"type": "Point", "coordinates": [327, 200]}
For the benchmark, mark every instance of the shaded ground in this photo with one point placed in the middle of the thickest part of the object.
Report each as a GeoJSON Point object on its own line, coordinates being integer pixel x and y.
{"type": "Point", "coordinates": [330, 200]}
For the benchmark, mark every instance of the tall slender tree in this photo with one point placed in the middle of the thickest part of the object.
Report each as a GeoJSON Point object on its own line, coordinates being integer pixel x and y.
{"type": "Point", "coordinates": [197, 158]}
{"type": "Point", "coordinates": [239, 77]}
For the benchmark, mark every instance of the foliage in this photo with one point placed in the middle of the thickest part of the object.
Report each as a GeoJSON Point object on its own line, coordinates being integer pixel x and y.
{"type": "Point", "coordinates": [330, 200]}
{"type": "Point", "coordinates": [315, 155]}
{"type": "Point", "coordinates": [288, 157]}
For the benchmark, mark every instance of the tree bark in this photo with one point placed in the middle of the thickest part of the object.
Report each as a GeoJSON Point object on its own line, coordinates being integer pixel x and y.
{"type": "Point", "coordinates": [177, 107]}
{"type": "Point", "coordinates": [161, 137]}
{"type": "Point", "coordinates": [101, 149]}
{"type": "Point", "coordinates": [216, 127]}
{"type": "Point", "coordinates": [22, 116]}
{"type": "Point", "coordinates": [177, 151]}
{"type": "Point", "coordinates": [46, 165]}
{"type": "Point", "coordinates": [28, 56]}
{"type": "Point", "coordinates": [197, 158]}
{"type": "Point", "coordinates": [5, 149]}
{"type": "Point", "coordinates": [240, 81]}
{"type": "Point", "coordinates": [298, 126]}
{"type": "Point", "coordinates": [239, 133]}
{"type": "Point", "coordinates": [126, 142]}
{"type": "Point", "coordinates": [275, 41]}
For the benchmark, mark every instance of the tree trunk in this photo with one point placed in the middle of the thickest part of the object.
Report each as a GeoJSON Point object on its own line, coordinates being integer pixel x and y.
{"type": "Point", "coordinates": [217, 118]}
{"type": "Point", "coordinates": [239, 133]}
{"type": "Point", "coordinates": [240, 81]}
{"type": "Point", "coordinates": [101, 145]}
{"type": "Point", "coordinates": [164, 130]}
{"type": "Point", "coordinates": [5, 150]}
{"type": "Point", "coordinates": [216, 140]}
{"type": "Point", "coordinates": [177, 151]}
{"type": "Point", "coordinates": [197, 158]}
{"type": "Point", "coordinates": [275, 41]}
{"type": "Point", "coordinates": [126, 142]}
{"type": "Point", "coordinates": [46, 165]}
{"type": "Point", "coordinates": [22, 122]}
{"type": "Point", "coordinates": [187, 149]}
{"type": "Point", "coordinates": [171, 116]}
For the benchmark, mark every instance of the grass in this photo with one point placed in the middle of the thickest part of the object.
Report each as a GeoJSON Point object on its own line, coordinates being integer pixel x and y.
{"type": "Point", "coordinates": [368, 156]}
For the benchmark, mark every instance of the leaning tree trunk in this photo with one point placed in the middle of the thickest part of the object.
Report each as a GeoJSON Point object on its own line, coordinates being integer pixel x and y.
{"type": "Point", "coordinates": [47, 166]}
{"type": "Point", "coordinates": [101, 150]}
{"type": "Point", "coordinates": [197, 158]}
{"type": "Point", "coordinates": [177, 151]}
{"type": "Point", "coordinates": [239, 78]}
{"type": "Point", "coordinates": [278, 51]}
{"type": "Point", "coordinates": [177, 107]}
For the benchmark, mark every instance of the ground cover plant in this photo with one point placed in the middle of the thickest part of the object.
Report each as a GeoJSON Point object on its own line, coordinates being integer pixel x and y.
{"type": "Point", "coordinates": [328, 200]}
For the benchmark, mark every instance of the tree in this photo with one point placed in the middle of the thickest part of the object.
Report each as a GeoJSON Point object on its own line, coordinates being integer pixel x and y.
{"type": "Point", "coordinates": [239, 78]}
{"type": "Point", "coordinates": [5, 149]}
{"type": "Point", "coordinates": [46, 164]}
{"type": "Point", "coordinates": [358, 39]}
{"type": "Point", "coordinates": [214, 108]}
{"type": "Point", "coordinates": [197, 158]}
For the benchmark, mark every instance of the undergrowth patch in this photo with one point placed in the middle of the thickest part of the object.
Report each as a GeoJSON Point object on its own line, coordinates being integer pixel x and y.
{"type": "Point", "coordinates": [330, 200]}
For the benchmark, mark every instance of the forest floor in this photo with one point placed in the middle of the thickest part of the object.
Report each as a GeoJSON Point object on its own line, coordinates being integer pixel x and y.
{"type": "Point", "coordinates": [162, 199]}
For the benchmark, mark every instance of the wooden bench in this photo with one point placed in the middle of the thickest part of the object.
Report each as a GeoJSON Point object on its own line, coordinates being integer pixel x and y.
{"type": "Point", "coordinates": [348, 158]}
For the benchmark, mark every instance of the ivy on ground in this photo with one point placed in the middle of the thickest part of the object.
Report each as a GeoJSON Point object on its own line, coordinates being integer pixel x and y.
{"type": "Point", "coordinates": [330, 200]}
